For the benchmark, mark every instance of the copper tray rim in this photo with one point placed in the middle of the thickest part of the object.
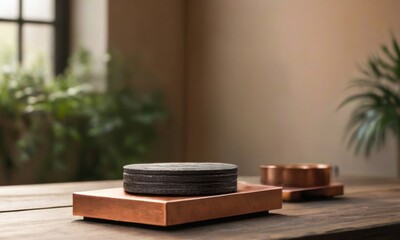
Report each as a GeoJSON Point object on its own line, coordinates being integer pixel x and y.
{"type": "Point", "coordinates": [243, 187]}
{"type": "Point", "coordinates": [298, 194]}
{"type": "Point", "coordinates": [297, 166]}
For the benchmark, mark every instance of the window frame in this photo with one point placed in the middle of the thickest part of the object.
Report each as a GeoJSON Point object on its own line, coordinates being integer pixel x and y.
{"type": "Point", "coordinates": [60, 25]}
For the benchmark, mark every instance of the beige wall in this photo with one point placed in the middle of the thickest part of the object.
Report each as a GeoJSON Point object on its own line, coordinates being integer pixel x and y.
{"type": "Point", "coordinates": [265, 78]}
{"type": "Point", "coordinates": [152, 31]}
{"type": "Point", "coordinates": [260, 80]}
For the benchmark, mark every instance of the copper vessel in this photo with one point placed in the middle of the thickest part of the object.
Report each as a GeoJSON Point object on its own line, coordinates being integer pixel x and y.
{"type": "Point", "coordinates": [296, 175]}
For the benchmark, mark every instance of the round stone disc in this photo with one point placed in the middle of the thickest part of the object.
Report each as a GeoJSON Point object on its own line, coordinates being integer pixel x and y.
{"type": "Point", "coordinates": [180, 178]}
{"type": "Point", "coordinates": [180, 190]}
{"type": "Point", "coordinates": [175, 168]}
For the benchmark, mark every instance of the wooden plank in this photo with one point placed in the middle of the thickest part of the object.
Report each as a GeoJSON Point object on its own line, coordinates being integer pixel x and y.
{"type": "Point", "coordinates": [353, 184]}
{"type": "Point", "coordinates": [365, 184]}
{"type": "Point", "coordinates": [376, 232]}
{"type": "Point", "coordinates": [36, 196]}
{"type": "Point", "coordinates": [357, 212]}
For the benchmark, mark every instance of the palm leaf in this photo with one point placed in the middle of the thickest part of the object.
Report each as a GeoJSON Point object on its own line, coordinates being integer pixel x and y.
{"type": "Point", "coordinates": [377, 102]}
{"type": "Point", "coordinates": [388, 54]}
{"type": "Point", "coordinates": [361, 96]}
{"type": "Point", "coordinates": [396, 47]}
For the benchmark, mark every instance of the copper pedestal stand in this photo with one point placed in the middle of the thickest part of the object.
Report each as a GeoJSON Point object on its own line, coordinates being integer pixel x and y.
{"type": "Point", "coordinates": [115, 204]}
{"type": "Point", "coordinates": [301, 181]}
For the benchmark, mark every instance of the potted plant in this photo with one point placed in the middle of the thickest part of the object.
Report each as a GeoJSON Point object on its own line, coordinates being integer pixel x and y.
{"type": "Point", "coordinates": [376, 102]}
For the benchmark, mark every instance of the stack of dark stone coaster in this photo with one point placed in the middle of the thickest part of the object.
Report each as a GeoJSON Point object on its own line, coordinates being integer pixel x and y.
{"type": "Point", "coordinates": [180, 179]}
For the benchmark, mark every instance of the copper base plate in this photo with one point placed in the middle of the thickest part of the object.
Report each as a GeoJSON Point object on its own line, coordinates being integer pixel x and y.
{"type": "Point", "coordinates": [115, 204]}
{"type": "Point", "coordinates": [290, 194]}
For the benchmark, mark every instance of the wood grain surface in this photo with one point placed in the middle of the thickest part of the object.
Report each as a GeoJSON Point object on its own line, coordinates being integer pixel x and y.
{"type": "Point", "coordinates": [370, 208]}
{"type": "Point", "coordinates": [24, 197]}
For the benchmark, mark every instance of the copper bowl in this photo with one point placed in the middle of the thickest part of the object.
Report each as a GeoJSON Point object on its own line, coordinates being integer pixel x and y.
{"type": "Point", "coordinates": [296, 175]}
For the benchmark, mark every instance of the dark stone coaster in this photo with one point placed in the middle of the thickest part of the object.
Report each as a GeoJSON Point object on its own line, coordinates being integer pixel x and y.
{"type": "Point", "coordinates": [180, 184]}
{"type": "Point", "coordinates": [182, 190]}
{"type": "Point", "coordinates": [180, 178]}
{"type": "Point", "coordinates": [184, 168]}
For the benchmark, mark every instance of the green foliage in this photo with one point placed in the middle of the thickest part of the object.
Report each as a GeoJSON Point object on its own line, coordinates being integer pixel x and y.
{"type": "Point", "coordinates": [65, 120]}
{"type": "Point", "coordinates": [377, 110]}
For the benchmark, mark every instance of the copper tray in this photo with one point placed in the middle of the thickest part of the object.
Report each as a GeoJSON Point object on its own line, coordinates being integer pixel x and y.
{"type": "Point", "coordinates": [291, 194]}
{"type": "Point", "coordinates": [296, 175]}
{"type": "Point", "coordinates": [115, 204]}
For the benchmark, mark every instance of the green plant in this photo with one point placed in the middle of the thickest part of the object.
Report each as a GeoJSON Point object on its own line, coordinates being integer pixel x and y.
{"type": "Point", "coordinates": [377, 109]}
{"type": "Point", "coordinates": [16, 86]}
{"type": "Point", "coordinates": [73, 131]}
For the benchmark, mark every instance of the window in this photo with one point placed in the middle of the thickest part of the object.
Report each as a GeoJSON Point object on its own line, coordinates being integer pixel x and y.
{"type": "Point", "coordinates": [35, 32]}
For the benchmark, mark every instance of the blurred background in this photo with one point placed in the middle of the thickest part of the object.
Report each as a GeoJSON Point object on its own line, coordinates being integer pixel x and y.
{"type": "Point", "coordinates": [88, 86]}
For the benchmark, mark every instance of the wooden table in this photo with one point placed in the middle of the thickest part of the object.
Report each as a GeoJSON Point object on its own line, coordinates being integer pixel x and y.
{"type": "Point", "coordinates": [370, 208]}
